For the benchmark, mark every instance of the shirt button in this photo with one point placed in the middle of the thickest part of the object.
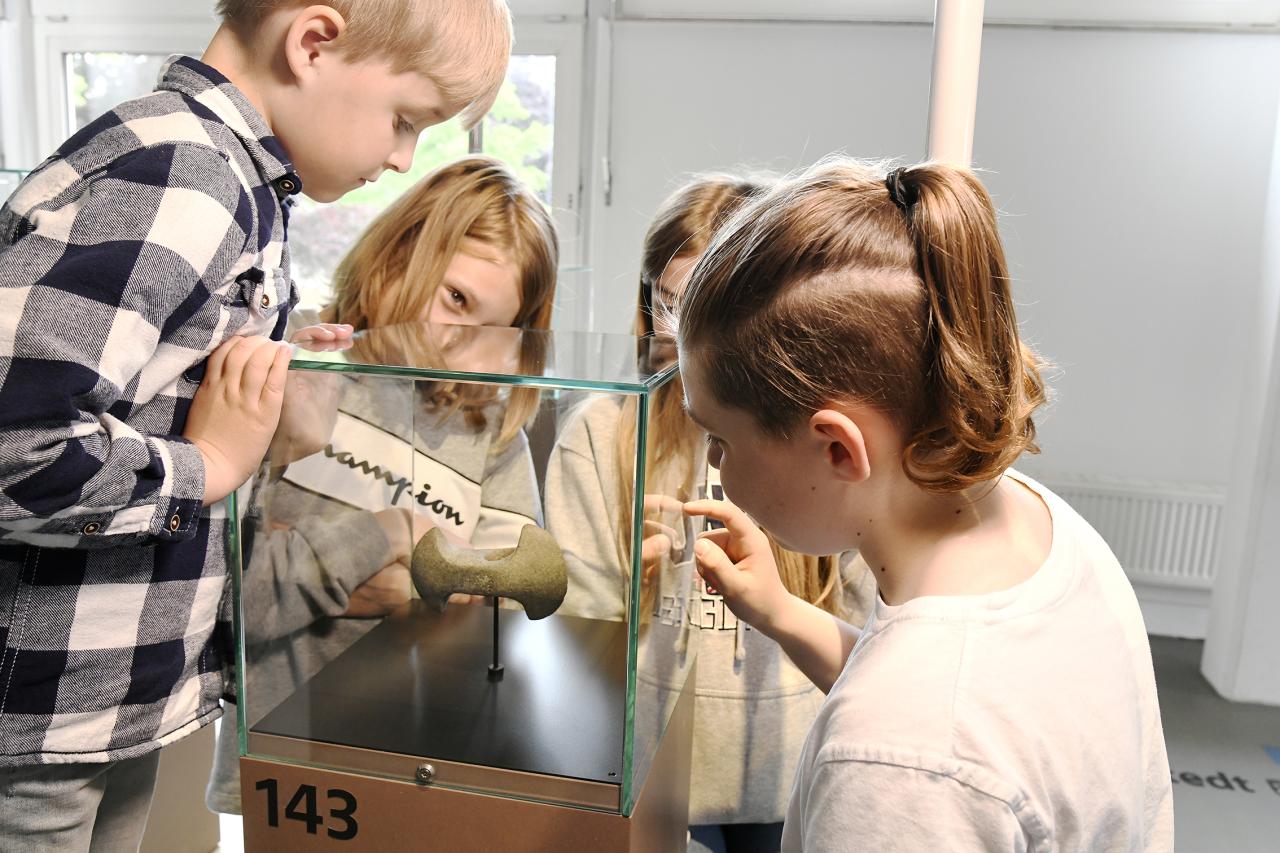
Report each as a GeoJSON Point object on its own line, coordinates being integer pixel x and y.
{"type": "Point", "coordinates": [175, 522]}
{"type": "Point", "coordinates": [288, 185]}
{"type": "Point", "coordinates": [91, 528]}
{"type": "Point", "coordinates": [266, 300]}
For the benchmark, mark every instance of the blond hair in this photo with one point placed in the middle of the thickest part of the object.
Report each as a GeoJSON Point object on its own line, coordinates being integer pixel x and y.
{"type": "Point", "coordinates": [392, 273]}
{"type": "Point", "coordinates": [831, 288]}
{"type": "Point", "coordinates": [463, 46]}
{"type": "Point", "coordinates": [683, 228]}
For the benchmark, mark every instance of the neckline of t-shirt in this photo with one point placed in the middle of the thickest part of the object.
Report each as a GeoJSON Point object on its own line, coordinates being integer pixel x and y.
{"type": "Point", "coordinates": [1045, 586]}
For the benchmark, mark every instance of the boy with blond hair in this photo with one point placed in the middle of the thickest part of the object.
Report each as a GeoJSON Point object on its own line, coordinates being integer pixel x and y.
{"type": "Point", "coordinates": [144, 285]}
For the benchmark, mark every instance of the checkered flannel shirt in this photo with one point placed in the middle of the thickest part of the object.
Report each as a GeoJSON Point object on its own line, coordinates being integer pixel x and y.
{"type": "Point", "coordinates": [147, 240]}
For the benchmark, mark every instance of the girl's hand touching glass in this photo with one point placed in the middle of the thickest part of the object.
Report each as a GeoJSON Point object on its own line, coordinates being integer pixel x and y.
{"type": "Point", "coordinates": [737, 562]}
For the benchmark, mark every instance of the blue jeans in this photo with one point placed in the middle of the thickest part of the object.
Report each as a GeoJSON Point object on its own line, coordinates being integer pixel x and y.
{"type": "Point", "coordinates": [74, 808]}
{"type": "Point", "coordinates": [736, 838]}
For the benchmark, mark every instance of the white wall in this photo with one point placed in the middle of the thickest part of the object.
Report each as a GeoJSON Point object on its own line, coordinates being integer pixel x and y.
{"type": "Point", "coordinates": [691, 97]}
{"type": "Point", "coordinates": [1131, 167]}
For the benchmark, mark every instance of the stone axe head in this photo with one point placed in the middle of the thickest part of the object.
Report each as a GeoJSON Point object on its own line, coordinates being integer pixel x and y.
{"type": "Point", "coordinates": [532, 573]}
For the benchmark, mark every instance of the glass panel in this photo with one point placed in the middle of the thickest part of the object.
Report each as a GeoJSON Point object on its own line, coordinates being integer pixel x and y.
{"type": "Point", "coordinates": [97, 81]}
{"type": "Point", "coordinates": [417, 474]}
{"type": "Point", "coordinates": [497, 354]}
{"type": "Point", "coordinates": [517, 131]}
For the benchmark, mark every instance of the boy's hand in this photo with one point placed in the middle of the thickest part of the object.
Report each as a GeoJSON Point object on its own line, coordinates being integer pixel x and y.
{"type": "Point", "coordinates": [737, 562]}
{"type": "Point", "coordinates": [323, 332]}
{"type": "Point", "coordinates": [235, 411]}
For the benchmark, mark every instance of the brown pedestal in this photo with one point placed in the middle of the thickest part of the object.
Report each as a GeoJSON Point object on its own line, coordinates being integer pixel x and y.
{"type": "Point", "coordinates": [289, 807]}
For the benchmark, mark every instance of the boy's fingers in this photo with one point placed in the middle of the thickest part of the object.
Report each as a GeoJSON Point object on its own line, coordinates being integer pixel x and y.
{"type": "Point", "coordinates": [253, 376]}
{"type": "Point", "coordinates": [214, 367]}
{"type": "Point", "coordinates": [738, 522]}
{"type": "Point", "coordinates": [238, 359]}
{"type": "Point", "coordinates": [273, 388]}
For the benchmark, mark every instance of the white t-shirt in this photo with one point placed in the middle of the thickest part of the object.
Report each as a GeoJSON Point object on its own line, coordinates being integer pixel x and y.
{"type": "Point", "coordinates": [1024, 719]}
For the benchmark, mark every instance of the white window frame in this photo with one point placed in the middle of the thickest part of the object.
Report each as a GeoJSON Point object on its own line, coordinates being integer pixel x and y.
{"type": "Point", "coordinates": [65, 26]}
{"type": "Point", "coordinates": [1194, 14]}
{"type": "Point", "coordinates": [57, 34]}
{"type": "Point", "coordinates": [564, 41]}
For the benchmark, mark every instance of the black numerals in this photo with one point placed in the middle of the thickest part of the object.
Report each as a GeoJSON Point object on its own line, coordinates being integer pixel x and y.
{"type": "Point", "coordinates": [305, 795]}
{"type": "Point", "coordinates": [346, 814]}
{"type": "Point", "coordinates": [273, 800]}
{"type": "Point", "coordinates": [303, 807]}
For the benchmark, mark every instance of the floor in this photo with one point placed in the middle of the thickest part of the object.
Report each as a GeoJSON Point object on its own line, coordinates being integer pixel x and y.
{"type": "Point", "coordinates": [1225, 759]}
{"type": "Point", "coordinates": [1224, 756]}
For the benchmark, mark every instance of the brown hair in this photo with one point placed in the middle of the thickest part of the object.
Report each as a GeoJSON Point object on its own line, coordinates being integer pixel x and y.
{"type": "Point", "coordinates": [463, 47]}
{"type": "Point", "coordinates": [683, 227]}
{"type": "Point", "coordinates": [828, 289]}
{"type": "Point", "coordinates": [391, 275]}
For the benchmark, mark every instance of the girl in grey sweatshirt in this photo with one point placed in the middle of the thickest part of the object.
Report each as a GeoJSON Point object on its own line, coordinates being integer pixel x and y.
{"type": "Point", "coordinates": [752, 707]}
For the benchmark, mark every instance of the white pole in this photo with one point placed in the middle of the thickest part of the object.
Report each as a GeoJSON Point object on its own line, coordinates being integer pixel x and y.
{"type": "Point", "coordinates": [953, 91]}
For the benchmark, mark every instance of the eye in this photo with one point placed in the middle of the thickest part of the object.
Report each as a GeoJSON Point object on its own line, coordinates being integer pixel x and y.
{"type": "Point", "coordinates": [403, 126]}
{"type": "Point", "coordinates": [456, 298]}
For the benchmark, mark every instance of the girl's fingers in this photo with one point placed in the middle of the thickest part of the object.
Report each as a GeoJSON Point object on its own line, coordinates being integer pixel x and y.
{"type": "Point", "coordinates": [655, 546]}
{"type": "Point", "coordinates": [660, 504]}
{"type": "Point", "coordinates": [324, 332]}
{"type": "Point", "coordinates": [713, 563]}
{"type": "Point", "coordinates": [737, 521]}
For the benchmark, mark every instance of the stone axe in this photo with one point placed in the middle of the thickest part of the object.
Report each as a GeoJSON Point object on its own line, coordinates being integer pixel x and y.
{"type": "Point", "coordinates": [532, 573]}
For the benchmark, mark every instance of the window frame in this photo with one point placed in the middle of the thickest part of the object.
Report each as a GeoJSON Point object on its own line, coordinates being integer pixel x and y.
{"type": "Point", "coordinates": [57, 31]}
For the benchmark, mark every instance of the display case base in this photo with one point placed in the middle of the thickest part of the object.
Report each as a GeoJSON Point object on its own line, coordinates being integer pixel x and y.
{"type": "Point", "coordinates": [289, 807]}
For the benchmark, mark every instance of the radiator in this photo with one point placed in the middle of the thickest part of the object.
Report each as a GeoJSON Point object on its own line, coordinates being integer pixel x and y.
{"type": "Point", "coordinates": [1164, 534]}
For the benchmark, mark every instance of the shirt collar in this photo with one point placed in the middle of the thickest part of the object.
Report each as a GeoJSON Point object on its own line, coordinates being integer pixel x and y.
{"type": "Point", "coordinates": [208, 87]}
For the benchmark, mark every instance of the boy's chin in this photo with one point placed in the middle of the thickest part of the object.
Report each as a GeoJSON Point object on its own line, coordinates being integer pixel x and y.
{"type": "Point", "coordinates": [323, 195]}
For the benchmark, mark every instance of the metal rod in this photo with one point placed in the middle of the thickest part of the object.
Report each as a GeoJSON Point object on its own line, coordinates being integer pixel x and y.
{"type": "Point", "coordinates": [495, 668]}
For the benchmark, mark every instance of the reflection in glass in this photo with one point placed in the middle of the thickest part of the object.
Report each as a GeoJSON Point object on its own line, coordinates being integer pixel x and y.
{"type": "Point", "coordinates": [422, 427]}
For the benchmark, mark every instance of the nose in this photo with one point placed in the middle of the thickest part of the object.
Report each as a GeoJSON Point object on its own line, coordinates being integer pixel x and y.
{"type": "Point", "coordinates": [401, 159]}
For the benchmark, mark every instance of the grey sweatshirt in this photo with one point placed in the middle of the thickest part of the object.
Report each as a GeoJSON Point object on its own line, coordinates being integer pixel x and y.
{"type": "Point", "coordinates": [752, 706]}
{"type": "Point", "coordinates": [319, 541]}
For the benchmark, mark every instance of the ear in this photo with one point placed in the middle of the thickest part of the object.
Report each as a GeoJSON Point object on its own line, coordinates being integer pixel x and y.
{"type": "Point", "coordinates": [311, 35]}
{"type": "Point", "coordinates": [844, 444]}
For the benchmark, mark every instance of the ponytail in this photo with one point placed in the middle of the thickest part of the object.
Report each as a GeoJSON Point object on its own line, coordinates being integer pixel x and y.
{"type": "Point", "coordinates": [982, 383]}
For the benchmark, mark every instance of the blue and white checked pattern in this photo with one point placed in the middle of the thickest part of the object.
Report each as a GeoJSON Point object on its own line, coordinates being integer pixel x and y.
{"type": "Point", "coordinates": [147, 240]}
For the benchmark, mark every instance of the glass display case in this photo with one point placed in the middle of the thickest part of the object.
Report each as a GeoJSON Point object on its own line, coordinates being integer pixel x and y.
{"type": "Point", "coordinates": [461, 571]}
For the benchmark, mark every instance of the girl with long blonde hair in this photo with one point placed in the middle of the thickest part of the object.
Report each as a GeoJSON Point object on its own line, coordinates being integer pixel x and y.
{"type": "Point", "coordinates": [466, 247]}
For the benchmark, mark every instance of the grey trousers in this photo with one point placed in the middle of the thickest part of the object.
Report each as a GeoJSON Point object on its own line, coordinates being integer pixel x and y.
{"type": "Point", "coordinates": [72, 808]}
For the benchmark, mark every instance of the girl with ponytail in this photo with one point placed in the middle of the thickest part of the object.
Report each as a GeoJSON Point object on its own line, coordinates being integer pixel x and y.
{"type": "Point", "coordinates": [850, 345]}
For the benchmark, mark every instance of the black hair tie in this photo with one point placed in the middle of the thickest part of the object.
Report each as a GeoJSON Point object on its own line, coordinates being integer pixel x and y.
{"type": "Point", "coordinates": [904, 194]}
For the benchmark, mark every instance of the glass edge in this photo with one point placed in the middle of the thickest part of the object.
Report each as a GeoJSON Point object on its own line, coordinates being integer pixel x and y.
{"type": "Point", "coordinates": [235, 559]}
{"type": "Point", "coordinates": [627, 801]}
{"type": "Point", "coordinates": [637, 387]}
{"type": "Point", "coordinates": [661, 377]}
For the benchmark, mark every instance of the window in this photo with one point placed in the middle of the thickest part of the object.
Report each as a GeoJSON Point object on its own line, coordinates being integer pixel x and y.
{"type": "Point", "coordinates": [87, 61]}
{"type": "Point", "coordinates": [96, 81]}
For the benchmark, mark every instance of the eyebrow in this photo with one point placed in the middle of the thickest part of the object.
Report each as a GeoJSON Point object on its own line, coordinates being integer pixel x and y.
{"type": "Point", "coordinates": [693, 417]}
